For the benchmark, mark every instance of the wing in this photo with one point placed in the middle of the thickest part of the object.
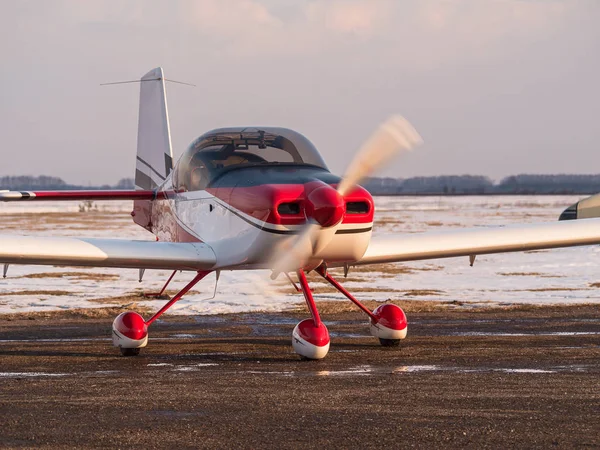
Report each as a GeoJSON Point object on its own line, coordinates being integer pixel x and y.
{"type": "Point", "coordinates": [10, 196]}
{"type": "Point", "coordinates": [106, 253]}
{"type": "Point", "coordinates": [411, 247]}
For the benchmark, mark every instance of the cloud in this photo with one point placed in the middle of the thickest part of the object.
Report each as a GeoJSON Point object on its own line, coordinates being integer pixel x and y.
{"type": "Point", "coordinates": [460, 69]}
{"type": "Point", "coordinates": [425, 32]}
{"type": "Point", "coordinates": [235, 18]}
{"type": "Point", "coordinates": [358, 17]}
{"type": "Point", "coordinates": [490, 18]}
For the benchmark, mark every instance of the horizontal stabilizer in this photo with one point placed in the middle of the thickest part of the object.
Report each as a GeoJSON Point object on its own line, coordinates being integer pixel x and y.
{"type": "Point", "coordinates": [64, 251]}
{"type": "Point", "coordinates": [8, 196]}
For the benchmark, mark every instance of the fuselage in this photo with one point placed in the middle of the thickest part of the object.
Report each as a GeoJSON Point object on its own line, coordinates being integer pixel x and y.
{"type": "Point", "coordinates": [241, 221]}
{"type": "Point", "coordinates": [246, 211]}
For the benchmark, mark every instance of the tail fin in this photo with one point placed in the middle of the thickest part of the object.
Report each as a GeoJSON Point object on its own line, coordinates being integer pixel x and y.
{"type": "Point", "coordinates": [154, 160]}
{"type": "Point", "coordinates": [154, 155]}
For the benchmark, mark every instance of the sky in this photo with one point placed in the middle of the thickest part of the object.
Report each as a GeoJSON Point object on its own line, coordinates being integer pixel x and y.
{"type": "Point", "coordinates": [495, 87]}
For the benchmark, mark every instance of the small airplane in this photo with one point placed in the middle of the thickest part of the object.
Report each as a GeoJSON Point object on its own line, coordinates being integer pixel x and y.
{"type": "Point", "coordinates": [248, 198]}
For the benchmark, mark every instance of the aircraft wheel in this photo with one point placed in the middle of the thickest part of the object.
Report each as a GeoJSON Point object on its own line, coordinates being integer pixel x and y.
{"type": "Point", "coordinates": [389, 324]}
{"type": "Point", "coordinates": [129, 333]}
{"type": "Point", "coordinates": [130, 351]}
{"type": "Point", "coordinates": [310, 341]}
{"type": "Point", "coordinates": [389, 342]}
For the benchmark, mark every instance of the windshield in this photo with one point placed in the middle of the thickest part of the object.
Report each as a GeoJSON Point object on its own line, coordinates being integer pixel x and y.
{"type": "Point", "coordinates": [220, 151]}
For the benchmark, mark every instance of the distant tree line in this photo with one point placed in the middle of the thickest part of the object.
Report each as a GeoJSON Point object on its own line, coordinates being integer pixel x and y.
{"type": "Point", "coordinates": [440, 185]}
{"type": "Point", "coordinates": [43, 182]}
{"type": "Point", "coordinates": [478, 185]}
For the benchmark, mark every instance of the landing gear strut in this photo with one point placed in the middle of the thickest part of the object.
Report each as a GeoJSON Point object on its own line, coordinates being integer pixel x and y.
{"type": "Point", "coordinates": [130, 330]}
{"type": "Point", "coordinates": [160, 293]}
{"type": "Point", "coordinates": [310, 338]}
{"type": "Point", "coordinates": [387, 322]}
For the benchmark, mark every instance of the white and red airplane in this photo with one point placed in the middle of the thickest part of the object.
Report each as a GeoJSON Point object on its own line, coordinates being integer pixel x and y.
{"type": "Point", "coordinates": [250, 198]}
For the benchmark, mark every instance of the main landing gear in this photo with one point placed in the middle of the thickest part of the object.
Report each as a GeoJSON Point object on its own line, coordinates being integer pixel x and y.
{"type": "Point", "coordinates": [130, 330]}
{"type": "Point", "coordinates": [310, 338]}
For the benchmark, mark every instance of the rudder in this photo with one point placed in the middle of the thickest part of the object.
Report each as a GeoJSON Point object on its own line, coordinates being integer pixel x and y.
{"type": "Point", "coordinates": [154, 160]}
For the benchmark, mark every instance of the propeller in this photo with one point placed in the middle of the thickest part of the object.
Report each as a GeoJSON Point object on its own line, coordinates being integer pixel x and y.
{"type": "Point", "coordinates": [391, 137]}
{"type": "Point", "coordinates": [325, 206]}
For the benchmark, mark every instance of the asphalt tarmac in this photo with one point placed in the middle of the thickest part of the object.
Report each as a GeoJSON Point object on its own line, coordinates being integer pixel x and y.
{"type": "Point", "coordinates": [498, 378]}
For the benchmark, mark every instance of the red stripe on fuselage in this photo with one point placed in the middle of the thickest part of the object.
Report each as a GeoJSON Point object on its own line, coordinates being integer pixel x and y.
{"type": "Point", "coordinates": [93, 195]}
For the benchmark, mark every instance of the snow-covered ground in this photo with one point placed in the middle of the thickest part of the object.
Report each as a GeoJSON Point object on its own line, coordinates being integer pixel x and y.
{"type": "Point", "coordinates": [553, 276]}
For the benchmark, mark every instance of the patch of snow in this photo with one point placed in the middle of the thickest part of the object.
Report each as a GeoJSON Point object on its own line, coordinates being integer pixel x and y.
{"type": "Point", "coordinates": [422, 368]}
{"type": "Point", "coordinates": [565, 274]}
{"type": "Point", "coordinates": [30, 374]}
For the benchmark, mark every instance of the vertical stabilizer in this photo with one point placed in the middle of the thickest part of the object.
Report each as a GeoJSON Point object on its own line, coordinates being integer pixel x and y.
{"type": "Point", "coordinates": [154, 155]}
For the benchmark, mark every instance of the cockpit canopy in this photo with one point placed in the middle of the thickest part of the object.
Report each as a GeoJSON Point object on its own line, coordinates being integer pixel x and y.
{"type": "Point", "coordinates": [226, 149]}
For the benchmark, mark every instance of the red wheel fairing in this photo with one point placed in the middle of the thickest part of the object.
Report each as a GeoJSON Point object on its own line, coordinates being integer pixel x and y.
{"type": "Point", "coordinates": [389, 322]}
{"type": "Point", "coordinates": [130, 330]}
{"type": "Point", "coordinates": [311, 341]}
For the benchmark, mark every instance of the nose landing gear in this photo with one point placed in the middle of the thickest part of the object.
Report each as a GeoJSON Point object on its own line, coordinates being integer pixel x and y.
{"type": "Point", "coordinates": [310, 338]}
